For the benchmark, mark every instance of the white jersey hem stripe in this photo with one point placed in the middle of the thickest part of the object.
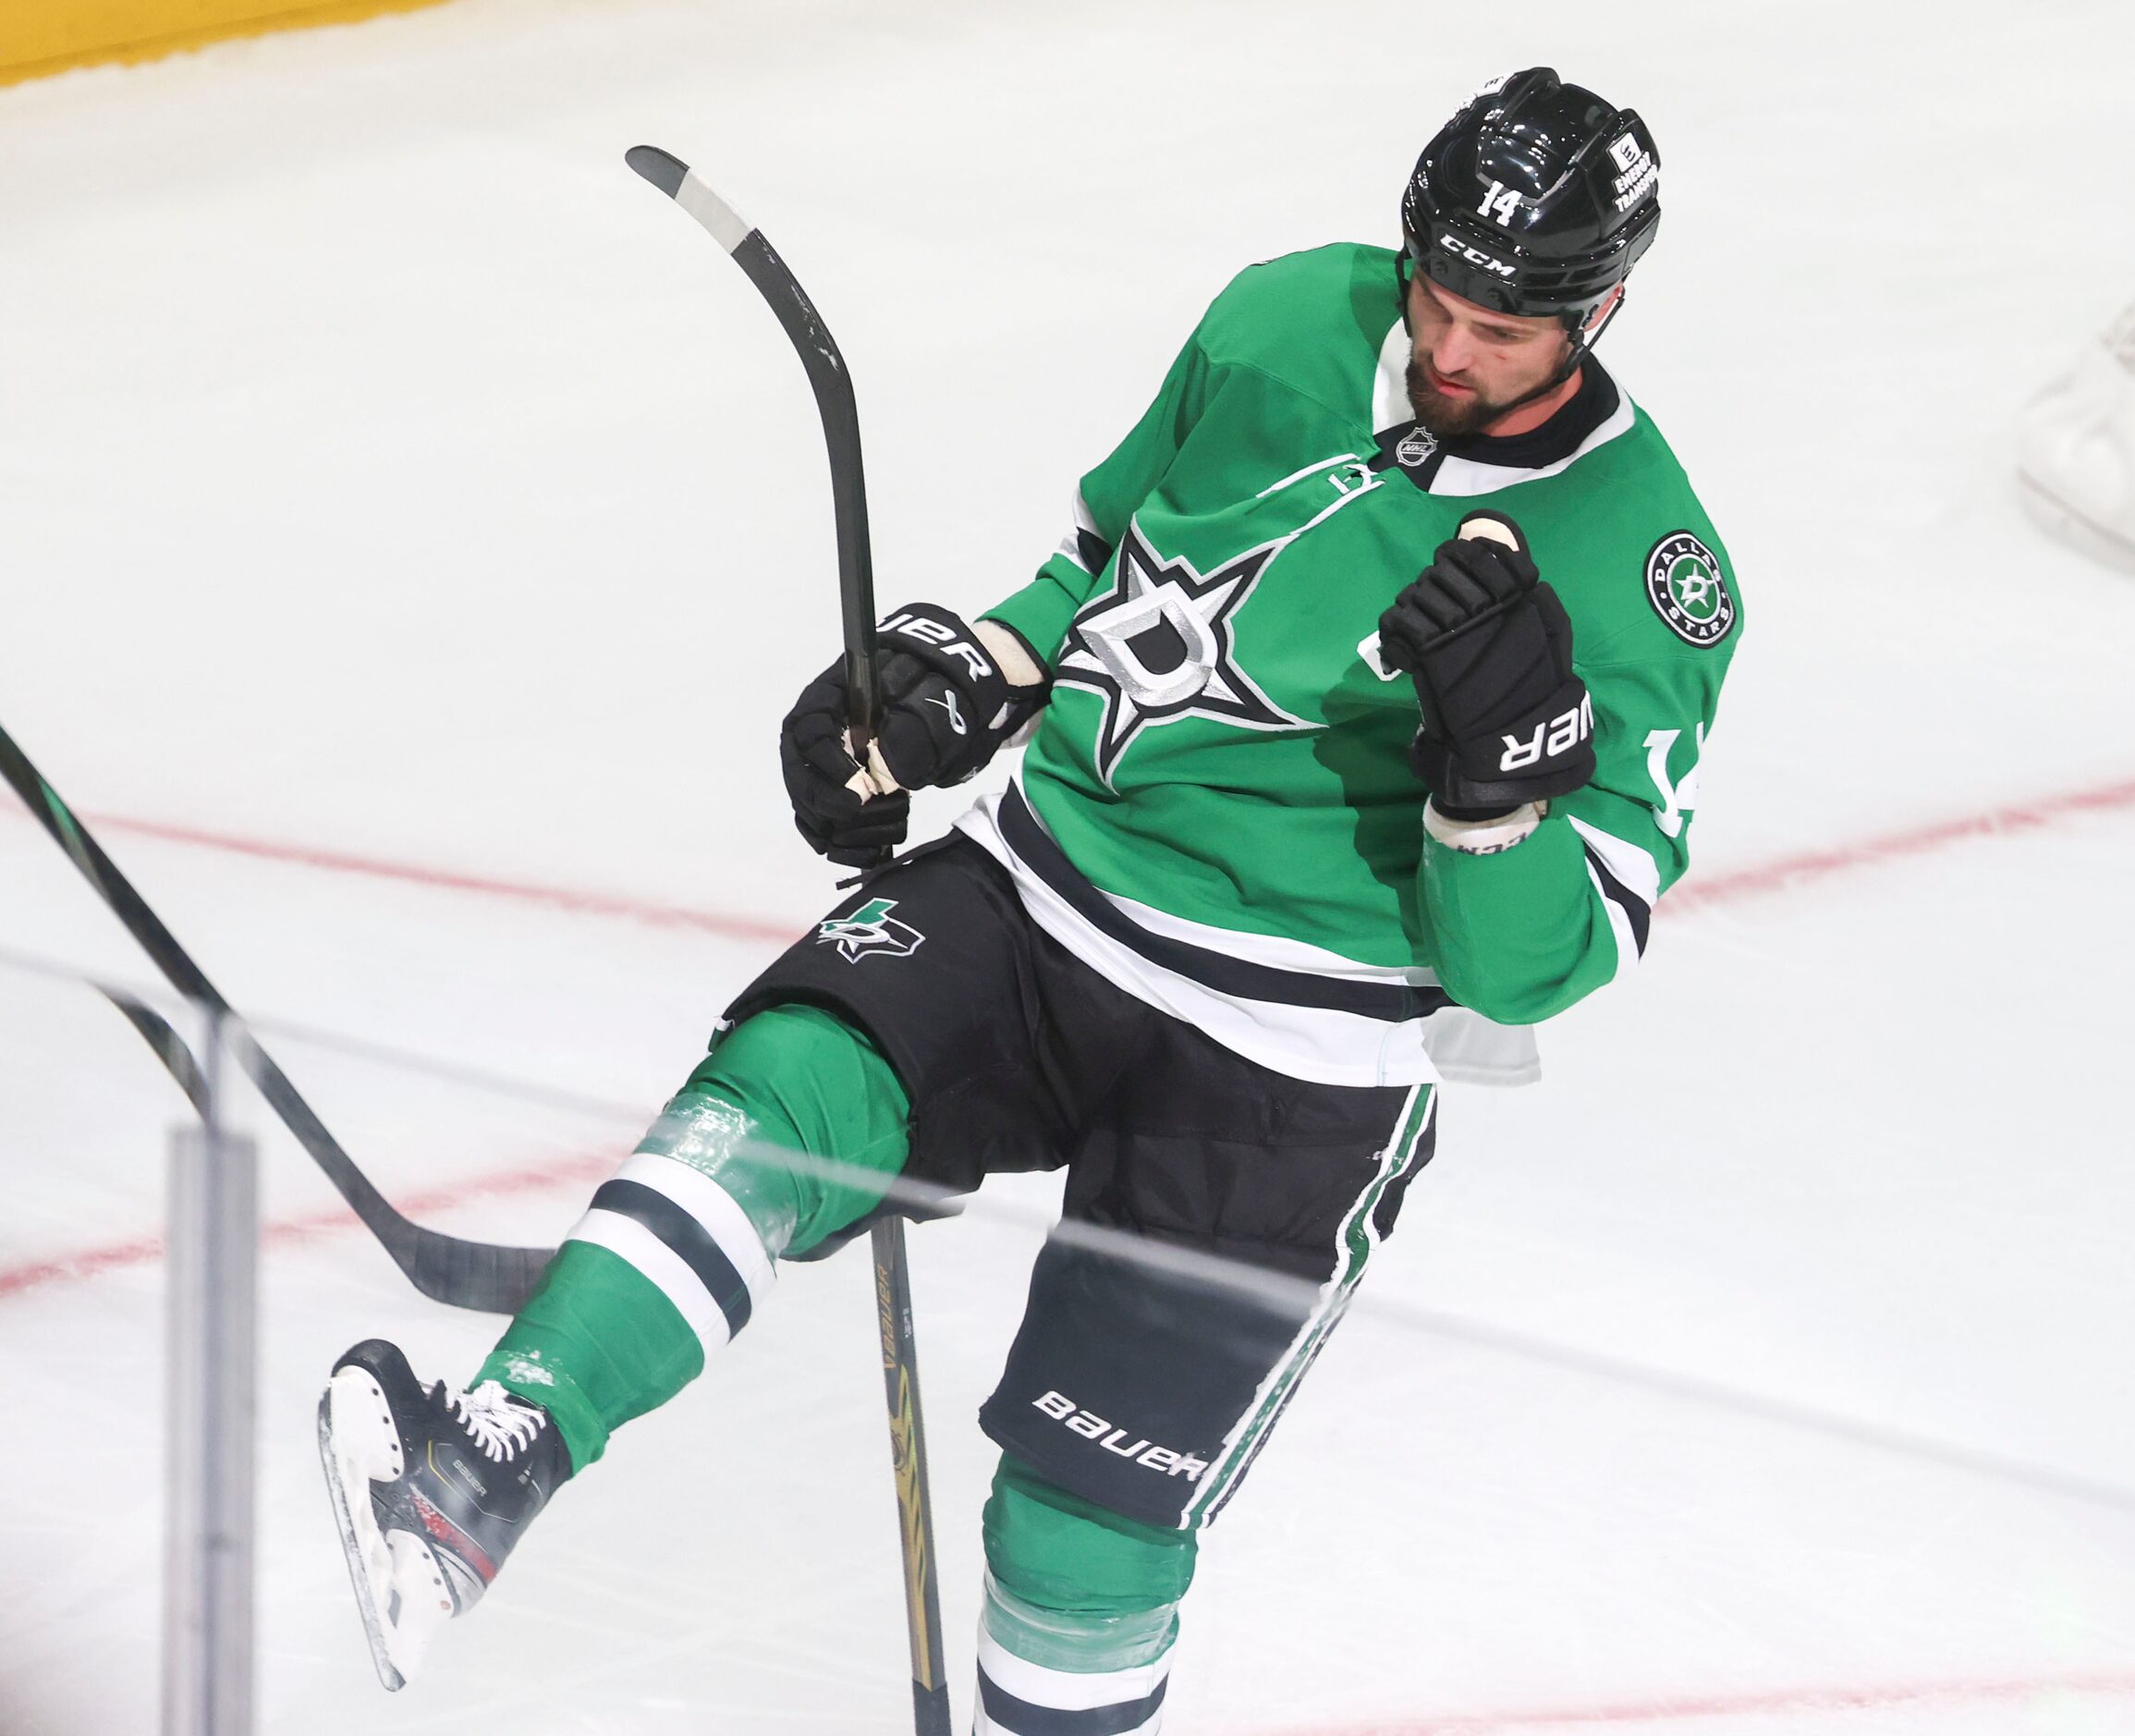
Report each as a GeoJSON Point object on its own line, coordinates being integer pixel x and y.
{"type": "Point", "coordinates": [1275, 951]}
{"type": "Point", "coordinates": [1322, 1045]}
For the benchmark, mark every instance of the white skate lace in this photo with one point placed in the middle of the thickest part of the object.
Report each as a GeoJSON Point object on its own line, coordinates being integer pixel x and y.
{"type": "Point", "coordinates": [503, 1426]}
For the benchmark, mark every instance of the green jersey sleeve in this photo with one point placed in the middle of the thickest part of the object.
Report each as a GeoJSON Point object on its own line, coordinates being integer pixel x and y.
{"type": "Point", "coordinates": [1519, 935]}
{"type": "Point", "coordinates": [1523, 933]}
{"type": "Point", "coordinates": [1104, 502]}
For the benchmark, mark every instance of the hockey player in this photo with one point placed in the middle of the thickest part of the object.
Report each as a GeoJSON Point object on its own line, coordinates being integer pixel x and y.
{"type": "Point", "coordinates": [1368, 686]}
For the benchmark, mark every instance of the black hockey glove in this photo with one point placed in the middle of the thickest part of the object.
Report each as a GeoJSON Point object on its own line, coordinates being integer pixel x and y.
{"type": "Point", "coordinates": [945, 708]}
{"type": "Point", "coordinates": [1506, 720]}
{"type": "Point", "coordinates": [823, 782]}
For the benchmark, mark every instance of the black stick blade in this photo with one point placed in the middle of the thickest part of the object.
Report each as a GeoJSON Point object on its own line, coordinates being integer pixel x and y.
{"type": "Point", "coordinates": [480, 1276]}
{"type": "Point", "coordinates": [170, 1048]}
{"type": "Point", "coordinates": [664, 170]}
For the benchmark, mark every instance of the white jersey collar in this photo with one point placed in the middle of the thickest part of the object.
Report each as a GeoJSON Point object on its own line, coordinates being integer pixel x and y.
{"type": "Point", "coordinates": [1390, 405]}
{"type": "Point", "coordinates": [1454, 475]}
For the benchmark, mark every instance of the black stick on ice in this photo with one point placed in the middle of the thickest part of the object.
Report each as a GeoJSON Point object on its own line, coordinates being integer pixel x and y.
{"type": "Point", "coordinates": [477, 1275]}
{"type": "Point", "coordinates": [827, 373]}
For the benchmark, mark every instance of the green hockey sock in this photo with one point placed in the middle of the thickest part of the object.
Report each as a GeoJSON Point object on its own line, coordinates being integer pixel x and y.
{"type": "Point", "coordinates": [678, 1249]}
{"type": "Point", "coordinates": [1074, 1587]}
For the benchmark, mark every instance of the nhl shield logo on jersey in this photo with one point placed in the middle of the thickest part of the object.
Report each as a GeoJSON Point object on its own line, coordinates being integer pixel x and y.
{"type": "Point", "coordinates": [1158, 647]}
{"type": "Point", "coordinates": [1415, 447]}
{"type": "Point", "coordinates": [1687, 591]}
{"type": "Point", "coordinates": [869, 930]}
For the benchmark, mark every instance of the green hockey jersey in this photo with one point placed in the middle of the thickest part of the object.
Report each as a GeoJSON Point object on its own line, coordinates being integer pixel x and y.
{"type": "Point", "coordinates": [1216, 809]}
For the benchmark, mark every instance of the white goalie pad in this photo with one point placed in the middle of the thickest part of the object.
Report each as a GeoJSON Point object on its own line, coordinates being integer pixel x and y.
{"type": "Point", "coordinates": [2076, 449]}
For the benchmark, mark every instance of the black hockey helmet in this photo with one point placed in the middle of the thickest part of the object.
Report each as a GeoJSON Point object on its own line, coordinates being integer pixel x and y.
{"type": "Point", "coordinates": [1537, 197]}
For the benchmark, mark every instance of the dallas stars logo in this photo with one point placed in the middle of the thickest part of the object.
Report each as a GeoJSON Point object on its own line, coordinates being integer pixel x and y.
{"type": "Point", "coordinates": [869, 930]}
{"type": "Point", "coordinates": [1158, 648]}
{"type": "Point", "coordinates": [1685, 585]}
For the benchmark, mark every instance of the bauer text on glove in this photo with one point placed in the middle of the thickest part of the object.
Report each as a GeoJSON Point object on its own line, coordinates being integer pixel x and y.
{"type": "Point", "coordinates": [1505, 719]}
{"type": "Point", "coordinates": [950, 695]}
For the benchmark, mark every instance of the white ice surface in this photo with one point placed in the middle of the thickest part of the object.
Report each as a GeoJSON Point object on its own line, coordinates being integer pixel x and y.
{"type": "Point", "coordinates": [384, 469]}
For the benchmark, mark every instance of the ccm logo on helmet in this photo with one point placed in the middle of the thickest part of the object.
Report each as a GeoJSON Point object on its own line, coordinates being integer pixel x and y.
{"type": "Point", "coordinates": [1474, 256]}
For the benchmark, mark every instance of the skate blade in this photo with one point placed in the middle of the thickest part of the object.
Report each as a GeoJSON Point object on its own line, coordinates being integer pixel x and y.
{"type": "Point", "coordinates": [400, 1589]}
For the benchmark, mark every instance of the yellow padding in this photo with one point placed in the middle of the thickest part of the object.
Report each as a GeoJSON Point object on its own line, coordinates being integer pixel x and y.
{"type": "Point", "coordinates": [43, 36]}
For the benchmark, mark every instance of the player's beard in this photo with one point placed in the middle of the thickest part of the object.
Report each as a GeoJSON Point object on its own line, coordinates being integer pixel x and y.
{"type": "Point", "coordinates": [1449, 418]}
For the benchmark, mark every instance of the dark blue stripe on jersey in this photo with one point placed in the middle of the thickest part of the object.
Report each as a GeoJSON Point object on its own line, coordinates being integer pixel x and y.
{"type": "Point", "coordinates": [1092, 550]}
{"type": "Point", "coordinates": [1025, 1719]}
{"type": "Point", "coordinates": [686, 1238]}
{"type": "Point", "coordinates": [1632, 906]}
{"type": "Point", "coordinates": [1395, 1002]}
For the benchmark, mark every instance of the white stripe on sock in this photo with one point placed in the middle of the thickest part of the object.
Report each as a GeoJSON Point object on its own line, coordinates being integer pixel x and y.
{"type": "Point", "coordinates": [660, 1265]}
{"type": "Point", "coordinates": [721, 1217]}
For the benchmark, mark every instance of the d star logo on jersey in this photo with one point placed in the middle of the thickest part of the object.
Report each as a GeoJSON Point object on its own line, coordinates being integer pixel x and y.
{"type": "Point", "coordinates": [1158, 647]}
{"type": "Point", "coordinates": [869, 930]}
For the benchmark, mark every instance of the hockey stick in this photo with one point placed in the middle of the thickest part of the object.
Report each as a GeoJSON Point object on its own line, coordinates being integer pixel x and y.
{"type": "Point", "coordinates": [834, 400]}
{"type": "Point", "coordinates": [170, 1048]}
{"type": "Point", "coordinates": [477, 1275]}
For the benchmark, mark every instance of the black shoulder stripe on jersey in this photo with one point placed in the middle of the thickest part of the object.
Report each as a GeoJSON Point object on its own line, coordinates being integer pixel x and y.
{"type": "Point", "coordinates": [1020, 1715]}
{"type": "Point", "coordinates": [1640, 912]}
{"type": "Point", "coordinates": [1092, 550]}
{"type": "Point", "coordinates": [1395, 1002]}
{"type": "Point", "coordinates": [686, 1238]}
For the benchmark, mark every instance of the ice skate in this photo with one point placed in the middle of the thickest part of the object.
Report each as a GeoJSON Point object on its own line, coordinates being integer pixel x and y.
{"type": "Point", "coordinates": [430, 1489]}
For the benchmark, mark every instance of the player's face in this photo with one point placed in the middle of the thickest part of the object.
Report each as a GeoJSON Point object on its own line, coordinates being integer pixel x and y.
{"type": "Point", "coordinates": [1466, 364]}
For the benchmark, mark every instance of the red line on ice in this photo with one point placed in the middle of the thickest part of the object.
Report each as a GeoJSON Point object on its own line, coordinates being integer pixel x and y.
{"type": "Point", "coordinates": [332, 1220]}
{"type": "Point", "coordinates": [523, 891]}
{"type": "Point", "coordinates": [1769, 1705]}
{"type": "Point", "coordinates": [1722, 887]}
{"type": "Point", "coordinates": [1725, 887]}
{"type": "Point", "coordinates": [1717, 886]}
{"type": "Point", "coordinates": [1713, 888]}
